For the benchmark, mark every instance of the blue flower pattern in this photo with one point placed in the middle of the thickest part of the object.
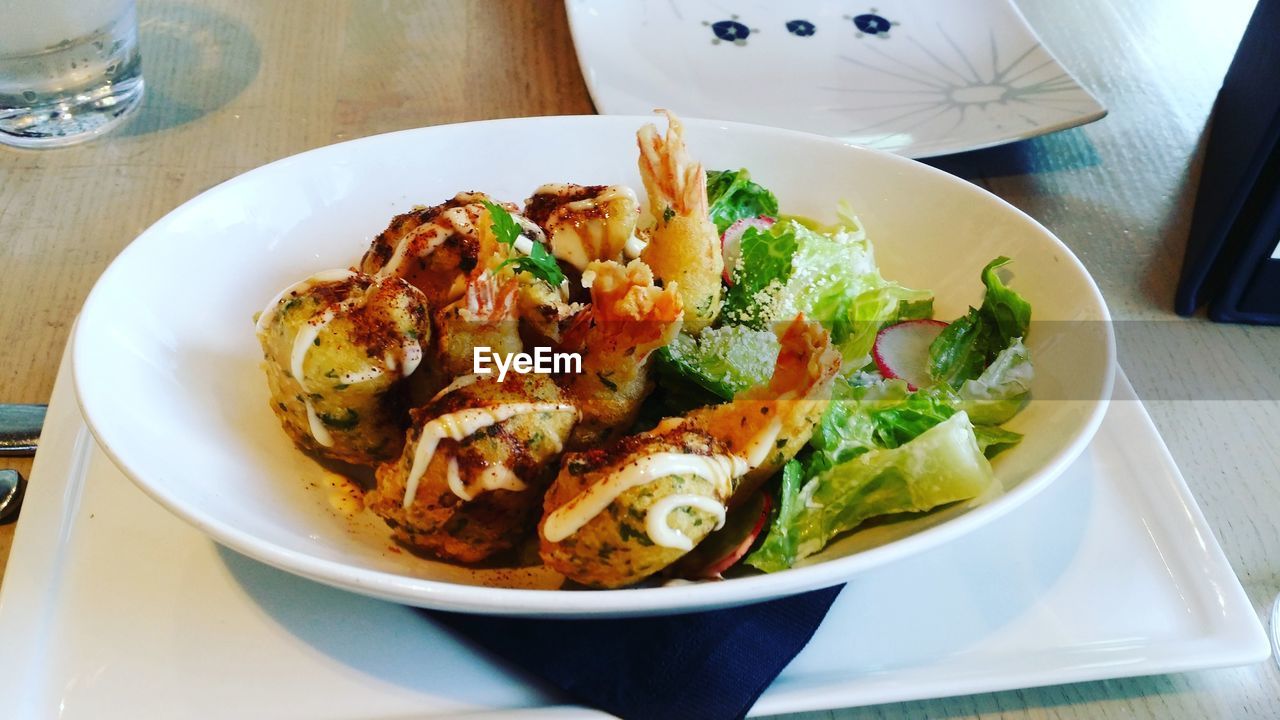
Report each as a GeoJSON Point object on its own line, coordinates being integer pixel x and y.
{"type": "Point", "coordinates": [871, 24]}
{"type": "Point", "coordinates": [803, 28]}
{"type": "Point", "coordinates": [734, 31]}
{"type": "Point", "coordinates": [730, 30]}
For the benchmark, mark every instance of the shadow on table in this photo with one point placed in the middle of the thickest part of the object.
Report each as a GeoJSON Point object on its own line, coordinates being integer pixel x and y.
{"type": "Point", "coordinates": [195, 60]}
{"type": "Point", "coordinates": [1065, 150]}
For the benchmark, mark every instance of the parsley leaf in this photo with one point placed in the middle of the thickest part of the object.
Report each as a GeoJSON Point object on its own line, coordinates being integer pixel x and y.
{"type": "Point", "coordinates": [538, 263]}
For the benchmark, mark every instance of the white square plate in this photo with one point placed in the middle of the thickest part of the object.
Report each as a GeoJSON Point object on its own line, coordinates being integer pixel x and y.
{"type": "Point", "coordinates": [914, 77]}
{"type": "Point", "coordinates": [112, 608]}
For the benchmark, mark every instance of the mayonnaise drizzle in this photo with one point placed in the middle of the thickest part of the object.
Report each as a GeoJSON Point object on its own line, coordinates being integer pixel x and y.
{"type": "Point", "coordinates": [578, 241]}
{"type": "Point", "coordinates": [719, 470]}
{"type": "Point", "coordinates": [402, 247]}
{"type": "Point", "coordinates": [757, 451]}
{"type": "Point", "coordinates": [302, 343]}
{"type": "Point", "coordinates": [458, 383]}
{"type": "Point", "coordinates": [661, 532]}
{"type": "Point", "coordinates": [457, 426]}
{"type": "Point", "coordinates": [324, 276]}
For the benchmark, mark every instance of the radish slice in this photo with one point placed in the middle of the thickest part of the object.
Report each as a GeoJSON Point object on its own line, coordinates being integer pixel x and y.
{"type": "Point", "coordinates": [739, 551]}
{"type": "Point", "coordinates": [902, 350]}
{"type": "Point", "coordinates": [731, 241]}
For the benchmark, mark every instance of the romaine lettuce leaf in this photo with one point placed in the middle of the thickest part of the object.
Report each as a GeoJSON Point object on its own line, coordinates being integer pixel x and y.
{"type": "Point", "coordinates": [968, 345]}
{"type": "Point", "coordinates": [733, 196]}
{"type": "Point", "coordinates": [762, 272]}
{"type": "Point", "coordinates": [942, 465]}
{"type": "Point", "coordinates": [722, 360]}
{"type": "Point", "coordinates": [830, 276]}
{"type": "Point", "coordinates": [1002, 389]}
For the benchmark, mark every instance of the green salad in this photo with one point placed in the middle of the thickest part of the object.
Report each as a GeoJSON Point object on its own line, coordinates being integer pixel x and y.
{"type": "Point", "coordinates": [919, 406]}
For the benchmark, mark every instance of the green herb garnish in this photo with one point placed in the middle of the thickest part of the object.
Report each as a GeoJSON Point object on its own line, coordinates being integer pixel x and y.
{"type": "Point", "coordinates": [538, 263]}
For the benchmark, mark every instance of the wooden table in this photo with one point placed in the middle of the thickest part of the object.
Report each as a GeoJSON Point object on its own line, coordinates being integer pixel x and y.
{"type": "Point", "coordinates": [234, 85]}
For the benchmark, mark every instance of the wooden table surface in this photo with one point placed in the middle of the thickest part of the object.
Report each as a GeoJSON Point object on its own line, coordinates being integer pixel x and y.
{"type": "Point", "coordinates": [235, 85]}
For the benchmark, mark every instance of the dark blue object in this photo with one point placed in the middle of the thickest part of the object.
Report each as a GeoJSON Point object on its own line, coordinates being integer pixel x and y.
{"type": "Point", "coordinates": [803, 28]}
{"type": "Point", "coordinates": [730, 30]}
{"type": "Point", "coordinates": [709, 665]}
{"type": "Point", "coordinates": [1233, 250]}
{"type": "Point", "coordinates": [871, 24]}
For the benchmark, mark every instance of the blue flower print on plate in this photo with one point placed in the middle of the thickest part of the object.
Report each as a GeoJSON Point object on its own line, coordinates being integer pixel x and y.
{"type": "Point", "coordinates": [730, 31]}
{"type": "Point", "coordinates": [803, 28]}
{"type": "Point", "coordinates": [872, 23]}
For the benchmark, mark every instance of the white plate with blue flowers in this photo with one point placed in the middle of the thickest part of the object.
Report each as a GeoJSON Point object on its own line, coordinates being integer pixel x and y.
{"type": "Point", "coordinates": [912, 77]}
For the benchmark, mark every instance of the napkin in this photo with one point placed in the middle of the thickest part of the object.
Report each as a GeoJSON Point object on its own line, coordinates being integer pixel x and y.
{"type": "Point", "coordinates": [710, 665]}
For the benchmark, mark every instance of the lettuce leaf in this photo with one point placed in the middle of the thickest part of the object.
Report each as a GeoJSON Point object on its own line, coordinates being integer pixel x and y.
{"type": "Point", "coordinates": [733, 196]}
{"type": "Point", "coordinates": [968, 345]}
{"type": "Point", "coordinates": [763, 271]}
{"type": "Point", "coordinates": [830, 275]}
{"type": "Point", "coordinates": [721, 360]}
{"type": "Point", "coordinates": [1002, 389]}
{"type": "Point", "coordinates": [942, 465]}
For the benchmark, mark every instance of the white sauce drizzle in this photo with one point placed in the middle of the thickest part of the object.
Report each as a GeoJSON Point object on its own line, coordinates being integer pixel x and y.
{"type": "Point", "coordinates": [458, 383]}
{"type": "Point", "coordinates": [457, 426]}
{"type": "Point", "coordinates": [318, 430]}
{"type": "Point", "coordinates": [578, 242]}
{"type": "Point", "coordinates": [634, 246]}
{"type": "Point", "coordinates": [661, 532]}
{"type": "Point", "coordinates": [402, 247]}
{"type": "Point", "coordinates": [302, 343]}
{"type": "Point", "coordinates": [757, 451]}
{"type": "Point", "coordinates": [719, 470]}
{"type": "Point", "coordinates": [324, 276]}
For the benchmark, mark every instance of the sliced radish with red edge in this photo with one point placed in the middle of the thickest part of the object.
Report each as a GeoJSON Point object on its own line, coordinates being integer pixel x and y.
{"type": "Point", "coordinates": [731, 241]}
{"type": "Point", "coordinates": [901, 351]}
{"type": "Point", "coordinates": [725, 547]}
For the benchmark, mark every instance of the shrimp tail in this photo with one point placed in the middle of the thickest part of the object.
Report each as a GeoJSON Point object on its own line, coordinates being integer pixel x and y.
{"type": "Point", "coordinates": [684, 246]}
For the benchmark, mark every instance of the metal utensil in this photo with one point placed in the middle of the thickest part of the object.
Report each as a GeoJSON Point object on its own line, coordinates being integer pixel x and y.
{"type": "Point", "coordinates": [12, 488]}
{"type": "Point", "coordinates": [20, 428]}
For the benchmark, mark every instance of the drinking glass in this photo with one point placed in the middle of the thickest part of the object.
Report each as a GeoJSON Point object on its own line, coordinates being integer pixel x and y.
{"type": "Point", "coordinates": [69, 69]}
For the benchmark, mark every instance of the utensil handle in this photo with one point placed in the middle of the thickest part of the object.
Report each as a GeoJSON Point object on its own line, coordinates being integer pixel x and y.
{"type": "Point", "coordinates": [20, 428]}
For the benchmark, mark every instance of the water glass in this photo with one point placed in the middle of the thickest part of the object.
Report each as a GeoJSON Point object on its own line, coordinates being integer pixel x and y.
{"type": "Point", "coordinates": [69, 69]}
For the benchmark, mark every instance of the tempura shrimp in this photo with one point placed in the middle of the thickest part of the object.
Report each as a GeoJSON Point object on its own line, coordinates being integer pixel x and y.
{"type": "Point", "coordinates": [768, 424]}
{"type": "Point", "coordinates": [485, 316]}
{"type": "Point", "coordinates": [617, 515]}
{"type": "Point", "coordinates": [628, 318]}
{"type": "Point", "coordinates": [684, 246]}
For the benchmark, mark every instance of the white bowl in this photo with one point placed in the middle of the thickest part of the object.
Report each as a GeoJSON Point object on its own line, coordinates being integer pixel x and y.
{"type": "Point", "coordinates": [166, 362]}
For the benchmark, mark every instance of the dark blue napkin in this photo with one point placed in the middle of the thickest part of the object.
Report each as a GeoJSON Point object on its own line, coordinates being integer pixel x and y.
{"type": "Point", "coordinates": [709, 665]}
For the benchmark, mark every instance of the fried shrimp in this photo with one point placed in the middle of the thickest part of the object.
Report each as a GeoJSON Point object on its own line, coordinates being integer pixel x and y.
{"type": "Point", "coordinates": [684, 247]}
{"type": "Point", "coordinates": [615, 516]}
{"type": "Point", "coordinates": [485, 316]}
{"type": "Point", "coordinates": [336, 349]}
{"type": "Point", "coordinates": [585, 223]}
{"type": "Point", "coordinates": [768, 424]}
{"type": "Point", "coordinates": [629, 317]}
{"type": "Point", "coordinates": [436, 249]}
{"type": "Point", "coordinates": [476, 462]}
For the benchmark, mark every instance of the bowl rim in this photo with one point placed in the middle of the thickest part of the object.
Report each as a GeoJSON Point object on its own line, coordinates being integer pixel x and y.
{"type": "Point", "coordinates": [671, 599]}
